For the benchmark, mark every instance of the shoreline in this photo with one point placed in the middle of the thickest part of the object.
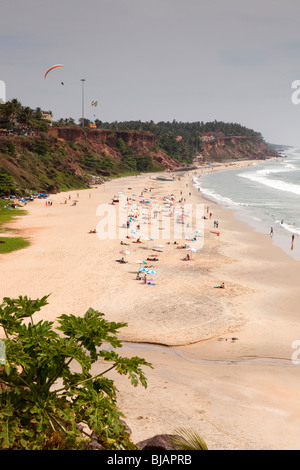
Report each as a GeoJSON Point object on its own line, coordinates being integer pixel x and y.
{"type": "Point", "coordinates": [201, 379]}
{"type": "Point", "coordinates": [281, 239]}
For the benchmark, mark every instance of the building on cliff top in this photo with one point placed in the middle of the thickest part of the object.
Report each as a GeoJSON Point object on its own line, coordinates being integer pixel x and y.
{"type": "Point", "coordinates": [47, 117]}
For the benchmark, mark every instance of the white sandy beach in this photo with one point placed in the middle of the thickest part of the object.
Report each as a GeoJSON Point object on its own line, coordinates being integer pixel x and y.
{"type": "Point", "coordinates": [237, 393]}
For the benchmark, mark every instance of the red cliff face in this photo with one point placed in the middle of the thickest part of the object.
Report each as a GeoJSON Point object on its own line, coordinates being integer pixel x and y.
{"type": "Point", "coordinates": [236, 147]}
{"type": "Point", "coordinates": [107, 136]}
{"type": "Point", "coordinates": [105, 141]}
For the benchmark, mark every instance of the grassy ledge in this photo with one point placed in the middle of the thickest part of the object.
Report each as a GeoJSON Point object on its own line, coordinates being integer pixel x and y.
{"type": "Point", "coordinates": [9, 244]}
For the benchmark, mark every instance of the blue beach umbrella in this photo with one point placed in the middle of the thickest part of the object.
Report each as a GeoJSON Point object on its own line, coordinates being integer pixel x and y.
{"type": "Point", "coordinates": [150, 271]}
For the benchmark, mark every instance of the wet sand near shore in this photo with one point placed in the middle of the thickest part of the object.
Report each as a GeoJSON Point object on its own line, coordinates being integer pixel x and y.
{"type": "Point", "coordinates": [222, 357]}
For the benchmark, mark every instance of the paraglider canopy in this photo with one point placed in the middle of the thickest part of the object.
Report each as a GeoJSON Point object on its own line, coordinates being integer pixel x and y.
{"type": "Point", "coordinates": [53, 67]}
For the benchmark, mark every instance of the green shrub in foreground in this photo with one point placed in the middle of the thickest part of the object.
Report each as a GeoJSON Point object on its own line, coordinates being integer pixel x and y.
{"type": "Point", "coordinates": [42, 400]}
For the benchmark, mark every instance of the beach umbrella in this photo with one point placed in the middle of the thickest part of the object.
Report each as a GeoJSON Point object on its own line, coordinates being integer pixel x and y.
{"type": "Point", "coordinates": [191, 249]}
{"type": "Point", "coordinates": [125, 252]}
{"type": "Point", "coordinates": [147, 239]}
{"type": "Point", "coordinates": [150, 271]}
{"type": "Point", "coordinates": [141, 262]}
{"type": "Point", "coordinates": [198, 233]}
{"type": "Point", "coordinates": [143, 270]}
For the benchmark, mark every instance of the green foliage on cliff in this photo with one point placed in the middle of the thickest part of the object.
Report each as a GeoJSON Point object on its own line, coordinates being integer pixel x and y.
{"type": "Point", "coordinates": [31, 159]}
{"type": "Point", "coordinates": [18, 115]}
{"type": "Point", "coordinates": [44, 163]}
{"type": "Point", "coordinates": [133, 162]}
{"type": "Point", "coordinates": [28, 163]}
{"type": "Point", "coordinates": [7, 185]}
{"type": "Point", "coordinates": [182, 140]}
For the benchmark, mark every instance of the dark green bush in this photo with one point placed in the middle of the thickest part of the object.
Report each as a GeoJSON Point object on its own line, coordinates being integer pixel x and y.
{"type": "Point", "coordinates": [43, 398]}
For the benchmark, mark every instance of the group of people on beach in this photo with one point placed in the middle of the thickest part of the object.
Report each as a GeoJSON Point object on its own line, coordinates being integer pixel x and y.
{"type": "Point", "coordinates": [134, 218]}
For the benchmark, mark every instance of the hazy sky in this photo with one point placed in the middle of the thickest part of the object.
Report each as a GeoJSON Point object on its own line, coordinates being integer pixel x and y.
{"type": "Point", "coordinates": [189, 60]}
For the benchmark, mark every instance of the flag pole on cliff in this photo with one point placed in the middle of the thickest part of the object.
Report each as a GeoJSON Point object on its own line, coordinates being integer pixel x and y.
{"type": "Point", "coordinates": [82, 80]}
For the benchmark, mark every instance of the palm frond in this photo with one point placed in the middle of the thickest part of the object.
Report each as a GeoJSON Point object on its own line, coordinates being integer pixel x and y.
{"type": "Point", "coordinates": [188, 439]}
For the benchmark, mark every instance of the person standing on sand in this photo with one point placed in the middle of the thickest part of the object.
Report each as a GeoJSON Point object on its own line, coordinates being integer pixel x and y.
{"type": "Point", "coordinates": [293, 238]}
{"type": "Point", "coordinates": [271, 232]}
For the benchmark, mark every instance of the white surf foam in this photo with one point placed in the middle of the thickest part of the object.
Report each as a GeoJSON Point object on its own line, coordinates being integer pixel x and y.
{"type": "Point", "coordinates": [271, 183]}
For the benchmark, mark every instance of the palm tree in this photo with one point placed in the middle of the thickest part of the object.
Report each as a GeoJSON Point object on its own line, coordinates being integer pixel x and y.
{"type": "Point", "coordinates": [38, 113]}
{"type": "Point", "coordinates": [26, 116]}
{"type": "Point", "coordinates": [12, 110]}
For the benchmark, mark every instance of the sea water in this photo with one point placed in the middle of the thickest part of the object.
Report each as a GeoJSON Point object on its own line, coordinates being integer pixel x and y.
{"type": "Point", "coordinates": [265, 195]}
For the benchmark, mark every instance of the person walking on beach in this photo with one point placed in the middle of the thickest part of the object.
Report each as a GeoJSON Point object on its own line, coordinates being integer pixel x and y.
{"type": "Point", "coordinates": [293, 238]}
{"type": "Point", "coordinates": [271, 232]}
